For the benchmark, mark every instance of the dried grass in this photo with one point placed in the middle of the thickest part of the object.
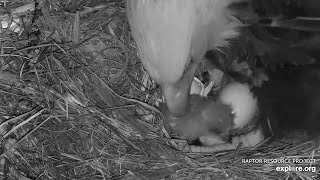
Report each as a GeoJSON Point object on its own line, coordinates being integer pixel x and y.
{"type": "Point", "coordinates": [75, 105]}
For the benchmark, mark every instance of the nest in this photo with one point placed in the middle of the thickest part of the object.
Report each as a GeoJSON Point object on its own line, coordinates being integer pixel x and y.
{"type": "Point", "coordinates": [76, 103]}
